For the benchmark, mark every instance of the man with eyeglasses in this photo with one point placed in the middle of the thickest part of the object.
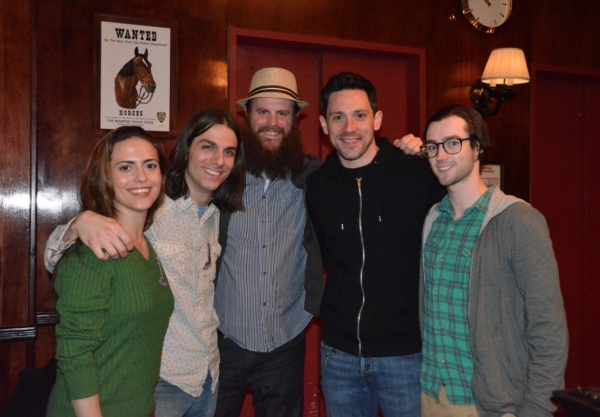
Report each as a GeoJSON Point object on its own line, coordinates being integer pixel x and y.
{"type": "Point", "coordinates": [494, 329]}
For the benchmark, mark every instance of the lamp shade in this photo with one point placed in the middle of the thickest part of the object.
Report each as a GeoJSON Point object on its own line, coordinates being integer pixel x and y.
{"type": "Point", "coordinates": [506, 66]}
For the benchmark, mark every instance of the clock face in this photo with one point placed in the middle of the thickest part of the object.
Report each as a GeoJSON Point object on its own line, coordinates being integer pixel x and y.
{"type": "Point", "coordinates": [486, 15]}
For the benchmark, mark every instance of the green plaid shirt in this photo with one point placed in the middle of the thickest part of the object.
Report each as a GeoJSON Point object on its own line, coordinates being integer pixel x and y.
{"type": "Point", "coordinates": [447, 256]}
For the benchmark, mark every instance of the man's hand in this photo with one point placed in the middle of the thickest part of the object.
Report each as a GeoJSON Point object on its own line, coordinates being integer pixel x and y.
{"type": "Point", "coordinates": [103, 235]}
{"type": "Point", "coordinates": [410, 144]}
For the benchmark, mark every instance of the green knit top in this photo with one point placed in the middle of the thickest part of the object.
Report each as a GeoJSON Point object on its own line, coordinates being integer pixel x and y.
{"type": "Point", "coordinates": [113, 319]}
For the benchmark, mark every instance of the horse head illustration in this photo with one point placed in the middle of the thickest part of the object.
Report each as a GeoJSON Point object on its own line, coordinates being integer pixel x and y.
{"type": "Point", "coordinates": [137, 69]}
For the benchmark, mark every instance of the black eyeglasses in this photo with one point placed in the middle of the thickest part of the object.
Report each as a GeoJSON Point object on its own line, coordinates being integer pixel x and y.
{"type": "Point", "coordinates": [451, 146]}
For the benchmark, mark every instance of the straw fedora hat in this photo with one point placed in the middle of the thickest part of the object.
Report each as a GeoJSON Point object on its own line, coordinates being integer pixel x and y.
{"type": "Point", "coordinates": [273, 83]}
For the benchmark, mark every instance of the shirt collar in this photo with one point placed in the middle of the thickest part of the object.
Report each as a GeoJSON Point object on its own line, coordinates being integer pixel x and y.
{"type": "Point", "coordinates": [481, 204]}
{"type": "Point", "coordinates": [187, 203]}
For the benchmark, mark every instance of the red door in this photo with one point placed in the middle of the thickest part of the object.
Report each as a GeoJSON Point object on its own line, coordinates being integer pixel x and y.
{"type": "Point", "coordinates": [398, 75]}
{"type": "Point", "coordinates": [565, 187]}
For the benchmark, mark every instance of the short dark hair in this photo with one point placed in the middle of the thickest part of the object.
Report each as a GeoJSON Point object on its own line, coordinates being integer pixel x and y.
{"type": "Point", "coordinates": [476, 126]}
{"type": "Point", "coordinates": [96, 192]}
{"type": "Point", "coordinates": [229, 195]}
{"type": "Point", "coordinates": [348, 81]}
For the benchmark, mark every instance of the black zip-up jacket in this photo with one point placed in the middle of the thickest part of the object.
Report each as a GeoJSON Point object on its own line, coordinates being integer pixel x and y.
{"type": "Point", "coordinates": [369, 221]}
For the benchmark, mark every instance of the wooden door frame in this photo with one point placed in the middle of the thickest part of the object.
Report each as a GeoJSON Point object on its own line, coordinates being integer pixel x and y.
{"type": "Point", "coordinates": [537, 69]}
{"type": "Point", "coordinates": [414, 61]}
{"type": "Point", "coordinates": [414, 57]}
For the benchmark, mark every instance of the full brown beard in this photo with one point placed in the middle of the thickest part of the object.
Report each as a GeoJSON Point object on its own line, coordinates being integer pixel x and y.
{"type": "Point", "coordinates": [273, 163]}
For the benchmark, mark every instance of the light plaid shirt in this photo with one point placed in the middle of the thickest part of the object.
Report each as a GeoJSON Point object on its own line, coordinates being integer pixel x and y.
{"type": "Point", "coordinates": [447, 261]}
{"type": "Point", "coordinates": [187, 246]}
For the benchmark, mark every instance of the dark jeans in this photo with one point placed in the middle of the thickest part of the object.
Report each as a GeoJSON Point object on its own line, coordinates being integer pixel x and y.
{"type": "Point", "coordinates": [276, 379]}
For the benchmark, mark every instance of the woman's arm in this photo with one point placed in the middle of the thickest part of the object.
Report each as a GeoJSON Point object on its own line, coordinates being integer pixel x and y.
{"type": "Point", "coordinates": [87, 407]}
{"type": "Point", "coordinates": [84, 286]}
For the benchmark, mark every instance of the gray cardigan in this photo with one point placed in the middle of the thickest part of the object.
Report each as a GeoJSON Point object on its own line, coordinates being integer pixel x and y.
{"type": "Point", "coordinates": [517, 324]}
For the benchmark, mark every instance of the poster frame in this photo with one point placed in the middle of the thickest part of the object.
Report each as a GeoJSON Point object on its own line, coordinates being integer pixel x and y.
{"type": "Point", "coordinates": [497, 175]}
{"type": "Point", "coordinates": [98, 19]}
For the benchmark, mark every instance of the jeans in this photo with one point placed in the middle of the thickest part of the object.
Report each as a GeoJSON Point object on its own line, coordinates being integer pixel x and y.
{"type": "Point", "coordinates": [276, 379]}
{"type": "Point", "coordinates": [171, 401]}
{"type": "Point", "coordinates": [357, 386]}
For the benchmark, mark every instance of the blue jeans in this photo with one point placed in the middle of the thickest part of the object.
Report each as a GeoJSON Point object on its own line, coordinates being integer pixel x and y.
{"type": "Point", "coordinates": [276, 379]}
{"type": "Point", "coordinates": [356, 386]}
{"type": "Point", "coordinates": [171, 401]}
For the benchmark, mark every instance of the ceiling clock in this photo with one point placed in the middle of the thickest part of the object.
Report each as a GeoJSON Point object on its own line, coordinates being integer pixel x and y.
{"type": "Point", "coordinates": [487, 15]}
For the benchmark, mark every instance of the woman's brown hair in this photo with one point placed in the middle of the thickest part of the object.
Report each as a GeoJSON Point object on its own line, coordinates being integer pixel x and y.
{"type": "Point", "coordinates": [95, 186]}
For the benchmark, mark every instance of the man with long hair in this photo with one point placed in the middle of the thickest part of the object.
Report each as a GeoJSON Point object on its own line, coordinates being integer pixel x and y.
{"type": "Point", "coordinates": [206, 176]}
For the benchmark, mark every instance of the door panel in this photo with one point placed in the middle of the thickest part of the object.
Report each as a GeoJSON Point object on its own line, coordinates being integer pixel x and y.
{"type": "Point", "coordinates": [591, 232]}
{"type": "Point", "coordinates": [565, 187]}
{"type": "Point", "coordinates": [398, 76]}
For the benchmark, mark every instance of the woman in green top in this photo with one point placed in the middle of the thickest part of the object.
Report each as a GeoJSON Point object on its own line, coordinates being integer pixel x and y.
{"type": "Point", "coordinates": [113, 314]}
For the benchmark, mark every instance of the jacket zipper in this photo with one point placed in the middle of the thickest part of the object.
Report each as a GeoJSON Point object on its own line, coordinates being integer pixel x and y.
{"type": "Point", "coordinates": [362, 243]}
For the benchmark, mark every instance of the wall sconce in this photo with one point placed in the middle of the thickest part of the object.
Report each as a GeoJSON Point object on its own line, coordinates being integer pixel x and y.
{"type": "Point", "coordinates": [505, 67]}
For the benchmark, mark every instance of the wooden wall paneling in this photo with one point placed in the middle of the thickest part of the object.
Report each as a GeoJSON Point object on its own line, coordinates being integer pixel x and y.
{"type": "Point", "coordinates": [557, 150]}
{"type": "Point", "coordinates": [382, 21]}
{"type": "Point", "coordinates": [456, 57]}
{"type": "Point", "coordinates": [33, 204]}
{"type": "Point", "coordinates": [16, 38]}
{"type": "Point", "coordinates": [564, 34]}
{"type": "Point", "coordinates": [65, 122]}
{"type": "Point", "coordinates": [15, 160]}
{"type": "Point", "coordinates": [202, 54]}
{"type": "Point", "coordinates": [509, 129]}
{"type": "Point", "coordinates": [590, 106]}
{"type": "Point", "coordinates": [65, 129]}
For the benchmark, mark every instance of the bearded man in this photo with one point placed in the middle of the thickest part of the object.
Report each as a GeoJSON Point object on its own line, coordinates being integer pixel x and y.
{"type": "Point", "coordinates": [270, 275]}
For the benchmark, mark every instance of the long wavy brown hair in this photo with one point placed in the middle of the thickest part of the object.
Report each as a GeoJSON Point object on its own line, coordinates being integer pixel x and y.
{"type": "Point", "coordinates": [96, 192]}
{"type": "Point", "coordinates": [95, 186]}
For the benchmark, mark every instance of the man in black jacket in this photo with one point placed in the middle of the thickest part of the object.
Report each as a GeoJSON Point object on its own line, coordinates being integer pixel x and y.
{"type": "Point", "coordinates": [367, 203]}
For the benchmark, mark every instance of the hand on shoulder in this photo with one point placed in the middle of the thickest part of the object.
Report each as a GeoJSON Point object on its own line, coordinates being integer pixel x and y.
{"type": "Point", "coordinates": [105, 236]}
{"type": "Point", "coordinates": [410, 144]}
